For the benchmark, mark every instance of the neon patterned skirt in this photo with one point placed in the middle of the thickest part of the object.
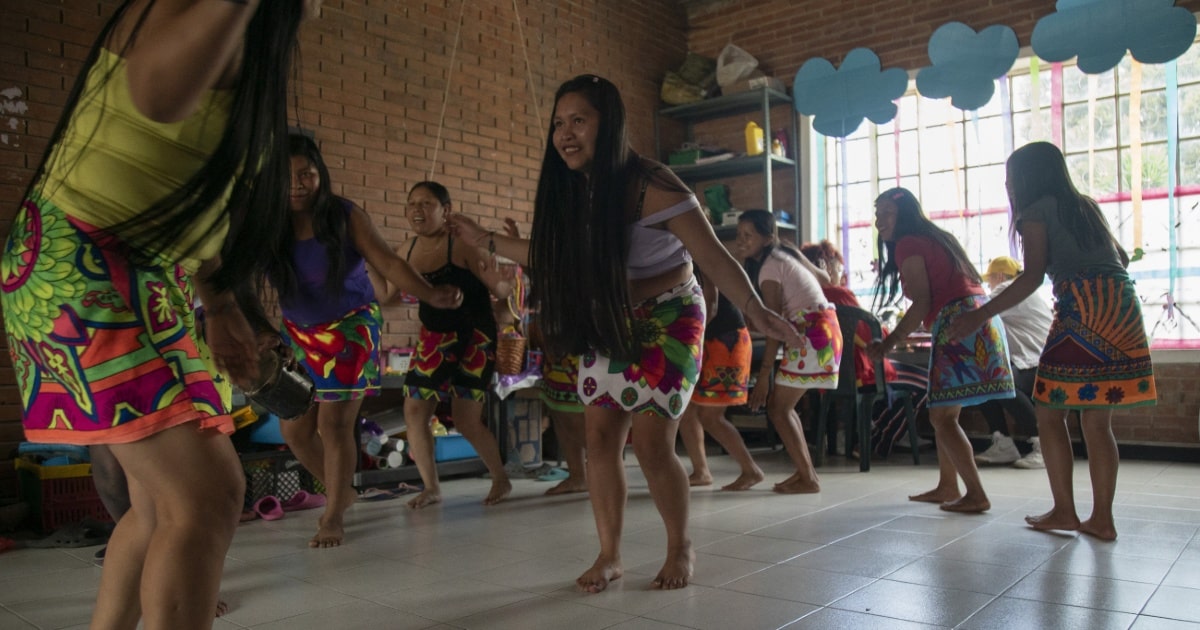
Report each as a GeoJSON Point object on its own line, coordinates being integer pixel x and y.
{"type": "Point", "coordinates": [105, 352]}
{"type": "Point", "coordinates": [450, 365]}
{"type": "Point", "coordinates": [971, 370]}
{"type": "Point", "coordinates": [670, 329]}
{"type": "Point", "coordinates": [725, 370]}
{"type": "Point", "coordinates": [815, 364]}
{"type": "Point", "coordinates": [1096, 354]}
{"type": "Point", "coordinates": [560, 384]}
{"type": "Point", "coordinates": [342, 356]}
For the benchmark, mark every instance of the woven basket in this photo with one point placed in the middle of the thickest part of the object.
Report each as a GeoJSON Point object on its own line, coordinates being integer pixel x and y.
{"type": "Point", "coordinates": [510, 355]}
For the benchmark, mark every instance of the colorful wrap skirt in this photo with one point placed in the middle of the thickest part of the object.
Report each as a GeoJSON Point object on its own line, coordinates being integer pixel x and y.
{"type": "Point", "coordinates": [560, 384]}
{"type": "Point", "coordinates": [725, 370]}
{"type": "Point", "coordinates": [971, 370]}
{"type": "Point", "coordinates": [670, 329]}
{"type": "Point", "coordinates": [104, 351]}
{"type": "Point", "coordinates": [815, 364]}
{"type": "Point", "coordinates": [341, 356]}
{"type": "Point", "coordinates": [1096, 354]}
{"type": "Point", "coordinates": [451, 365]}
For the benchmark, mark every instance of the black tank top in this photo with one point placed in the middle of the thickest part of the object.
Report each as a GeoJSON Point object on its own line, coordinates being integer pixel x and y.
{"type": "Point", "coordinates": [727, 319]}
{"type": "Point", "coordinates": [476, 309]}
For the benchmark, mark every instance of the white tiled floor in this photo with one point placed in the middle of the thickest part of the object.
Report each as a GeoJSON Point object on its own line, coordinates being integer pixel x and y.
{"type": "Point", "coordinates": [858, 555]}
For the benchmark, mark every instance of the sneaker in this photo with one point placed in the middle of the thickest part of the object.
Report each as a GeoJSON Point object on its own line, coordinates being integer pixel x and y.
{"type": "Point", "coordinates": [1034, 458]}
{"type": "Point", "coordinates": [1002, 451]}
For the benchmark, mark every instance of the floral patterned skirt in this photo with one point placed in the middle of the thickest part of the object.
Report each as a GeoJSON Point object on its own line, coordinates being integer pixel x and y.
{"type": "Point", "coordinates": [670, 329]}
{"type": "Point", "coordinates": [970, 370]}
{"type": "Point", "coordinates": [815, 364]}
{"type": "Point", "coordinates": [104, 351]}
{"type": "Point", "coordinates": [341, 356]}
{"type": "Point", "coordinates": [1096, 354]}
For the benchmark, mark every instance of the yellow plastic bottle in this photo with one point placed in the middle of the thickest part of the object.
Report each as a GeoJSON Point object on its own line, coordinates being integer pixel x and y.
{"type": "Point", "coordinates": [754, 139]}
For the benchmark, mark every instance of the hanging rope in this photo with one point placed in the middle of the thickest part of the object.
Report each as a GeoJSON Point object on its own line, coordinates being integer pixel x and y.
{"type": "Point", "coordinates": [437, 142]}
{"type": "Point", "coordinates": [528, 68]}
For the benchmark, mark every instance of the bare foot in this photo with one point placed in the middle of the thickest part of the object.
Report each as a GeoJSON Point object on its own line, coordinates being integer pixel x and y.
{"type": "Point", "coordinates": [968, 504]}
{"type": "Point", "coordinates": [330, 533]}
{"type": "Point", "coordinates": [745, 481]}
{"type": "Point", "coordinates": [222, 607]}
{"type": "Point", "coordinates": [1106, 532]}
{"type": "Point", "coordinates": [1065, 520]}
{"type": "Point", "coordinates": [798, 486]}
{"type": "Point", "coordinates": [330, 528]}
{"type": "Point", "coordinates": [568, 485]}
{"type": "Point", "coordinates": [676, 571]}
{"type": "Point", "coordinates": [937, 495]}
{"type": "Point", "coordinates": [598, 577]}
{"type": "Point", "coordinates": [799, 476]}
{"type": "Point", "coordinates": [424, 499]}
{"type": "Point", "coordinates": [500, 490]}
{"type": "Point", "coordinates": [700, 479]}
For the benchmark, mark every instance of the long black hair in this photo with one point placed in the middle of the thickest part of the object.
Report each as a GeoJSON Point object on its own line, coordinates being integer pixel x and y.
{"type": "Point", "coordinates": [911, 221]}
{"type": "Point", "coordinates": [249, 162]}
{"type": "Point", "coordinates": [764, 224]}
{"type": "Point", "coordinates": [330, 218]}
{"type": "Point", "coordinates": [1039, 170]}
{"type": "Point", "coordinates": [580, 238]}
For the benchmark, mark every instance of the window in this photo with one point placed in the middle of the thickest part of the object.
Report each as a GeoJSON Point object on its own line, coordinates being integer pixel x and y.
{"type": "Point", "coordinates": [954, 162]}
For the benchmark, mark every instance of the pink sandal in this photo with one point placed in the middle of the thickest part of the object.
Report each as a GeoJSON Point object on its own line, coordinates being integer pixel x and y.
{"type": "Point", "coordinates": [303, 501]}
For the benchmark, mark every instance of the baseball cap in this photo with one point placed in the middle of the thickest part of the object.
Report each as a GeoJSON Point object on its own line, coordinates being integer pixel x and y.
{"type": "Point", "coordinates": [1004, 265]}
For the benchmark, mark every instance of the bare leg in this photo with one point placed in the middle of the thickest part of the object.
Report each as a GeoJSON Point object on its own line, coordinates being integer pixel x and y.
{"type": "Point", "coordinates": [947, 487]}
{"type": "Point", "coordinates": [186, 489]}
{"type": "Point", "coordinates": [692, 433]}
{"type": "Point", "coordinates": [953, 442]}
{"type": "Point", "coordinates": [110, 482]}
{"type": "Point", "coordinates": [568, 427]}
{"type": "Point", "coordinates": [417, 413]}
{"type": "Point", "coordinates": [1060, 464]}
{"type": "Point", "coordinates": [654, 445]}
{"type": "Point", "coordinates": [1103, 461]}
{"type": "Point", "coordinates": [304, 440]}
{"type": "Point", "coordinates": [468, 419]}
{"type": "Point", "coordinates": [607, 489]}
{"type": "Point", "coordinates": [781, 410]}
{"type": "Point", "coordinates": [335, 422]}
{"type": "Point", "coordinates": [713, 420]}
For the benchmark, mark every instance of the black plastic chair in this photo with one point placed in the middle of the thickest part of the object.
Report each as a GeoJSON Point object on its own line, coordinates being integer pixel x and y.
{"type": "Point", "coordinates": [856, 407]}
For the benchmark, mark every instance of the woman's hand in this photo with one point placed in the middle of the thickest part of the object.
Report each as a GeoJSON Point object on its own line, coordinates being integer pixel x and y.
{"type": "Point", "coordinates": [466, 229]}
{"type": "Point", "coordinates": [772, 324]}
{"type": "Point", "coordinates": [445, 296]}
{"type": "Point", "coordinates": [233, 343]}
{"type": "Point", "coordinates": [511, 229]}
{"type": "Point", "coordinates": [759, 393]}
{"type": "Point", "coordinates": [967, 323]}
{"type": "Point", "coordinates": [877, 350]}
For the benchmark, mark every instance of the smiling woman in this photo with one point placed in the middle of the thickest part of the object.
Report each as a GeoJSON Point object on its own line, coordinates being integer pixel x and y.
{"type": "Point", "coordinates": [455, 354]}
{"type": "Point", "coordinates": [326, 294]}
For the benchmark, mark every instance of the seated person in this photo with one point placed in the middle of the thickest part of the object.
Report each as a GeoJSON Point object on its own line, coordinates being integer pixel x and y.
{"type": "Point", "coordinates": [1026, 326]}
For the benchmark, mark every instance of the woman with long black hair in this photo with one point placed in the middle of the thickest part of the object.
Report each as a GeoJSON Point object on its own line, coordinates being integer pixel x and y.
{"type": "Point", "coordinates": [164, 181]}
{"type": "Point", "coordinates": [331, 322]}
{"type": "Point", "coordinates": [614, 235]}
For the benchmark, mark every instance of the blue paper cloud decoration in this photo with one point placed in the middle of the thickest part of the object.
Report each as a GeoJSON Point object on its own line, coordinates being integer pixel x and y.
{"type": "Point", "coordinates": [1100, 31]}
{"type": "Point", "coordinates": [966, 64]}
{"type": "Point", "coordinates": [839, 98]}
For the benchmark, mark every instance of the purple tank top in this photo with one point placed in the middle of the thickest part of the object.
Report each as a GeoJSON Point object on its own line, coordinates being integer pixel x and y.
{"type": "Point", "coordinates": [312, 304]}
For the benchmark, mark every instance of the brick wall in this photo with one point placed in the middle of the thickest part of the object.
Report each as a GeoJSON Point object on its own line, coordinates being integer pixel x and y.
{"type": "Point", "coordinates": [783, 34]}
{"type": "Point", "coordinates": [374, 72]}
{"type": "Point", "coordinates": [372, 80]}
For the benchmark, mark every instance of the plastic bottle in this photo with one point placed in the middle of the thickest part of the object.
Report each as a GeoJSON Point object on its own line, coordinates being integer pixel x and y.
{"type": "Point", "coordinates": [754, 139]}
{"type": "Point", "coordinates": [777, 147]}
